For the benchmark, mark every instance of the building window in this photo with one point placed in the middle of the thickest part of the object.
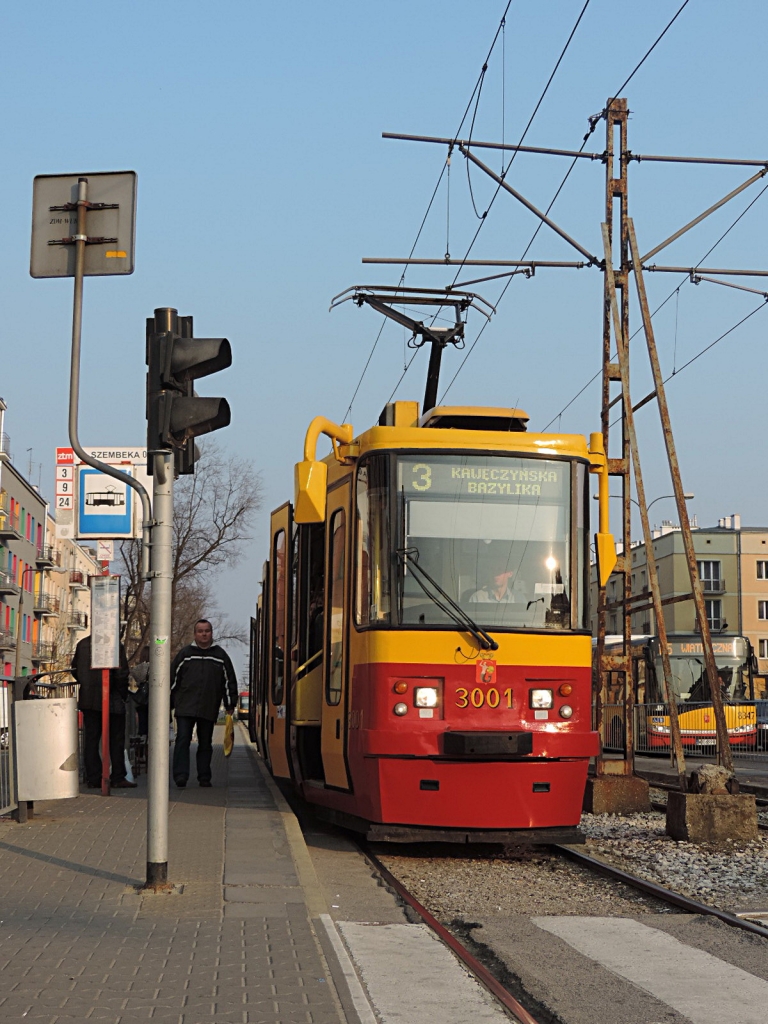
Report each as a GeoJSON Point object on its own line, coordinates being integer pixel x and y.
{"type": "Point", "coordinates": [762, 648]}
{"type": "Point", "coordinates": [762, 570]}
{"type": "Point", "coordinates": [714, 610]}
{"type": "Point", "coordinates": [762, 609]}
{"type": "Point", "coordinates": [709, 574]}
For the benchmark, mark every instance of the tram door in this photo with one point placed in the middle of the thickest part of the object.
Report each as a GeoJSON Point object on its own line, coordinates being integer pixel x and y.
{"type": "Point", "coordinates": [334, 713]}
{"type": "Point", "coordinates": [278, 640]}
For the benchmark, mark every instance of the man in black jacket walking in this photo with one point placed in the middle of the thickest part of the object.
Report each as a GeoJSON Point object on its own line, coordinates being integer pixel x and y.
{"type": "Point", "coordinates": [201, 678]}
{"type": "Point", "coordinates": [89, 702]}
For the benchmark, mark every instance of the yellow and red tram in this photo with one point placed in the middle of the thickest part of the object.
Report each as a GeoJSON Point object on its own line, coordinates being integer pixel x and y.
{"type": "Point", "coordinates": [421, 658]}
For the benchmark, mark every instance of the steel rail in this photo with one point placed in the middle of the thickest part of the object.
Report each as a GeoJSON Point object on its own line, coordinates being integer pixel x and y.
{"type": "Point", "coordinates": [480, 972]}
{"type": "Point", "coordinates": [659, 892]}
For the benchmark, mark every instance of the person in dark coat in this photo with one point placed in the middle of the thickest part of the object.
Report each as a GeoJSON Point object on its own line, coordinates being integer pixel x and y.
{"type": "Point", "coordinates": [202, 677]}
{"type": "Point", "coordinates": [89, 702]}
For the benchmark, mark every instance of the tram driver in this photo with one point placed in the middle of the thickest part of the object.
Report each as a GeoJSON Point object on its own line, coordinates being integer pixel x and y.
{"type": "Point", "coordinates": [498, 589]}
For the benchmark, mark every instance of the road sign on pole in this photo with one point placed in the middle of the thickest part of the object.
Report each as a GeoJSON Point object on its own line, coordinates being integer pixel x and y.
{"type": "Point", "coordinates": [110, 242]}
{"type": "Point", "coordinates": [104, 505]}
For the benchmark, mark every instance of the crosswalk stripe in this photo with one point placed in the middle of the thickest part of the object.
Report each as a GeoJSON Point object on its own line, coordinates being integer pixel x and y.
{"type": "Point", "coordinates": [700, 986]}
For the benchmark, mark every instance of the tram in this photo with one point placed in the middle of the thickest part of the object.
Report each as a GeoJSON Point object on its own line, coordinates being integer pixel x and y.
{"type": "Point", "coordinates": [421, 650]}
{"type": "Point", "coordinates": [689, 688]}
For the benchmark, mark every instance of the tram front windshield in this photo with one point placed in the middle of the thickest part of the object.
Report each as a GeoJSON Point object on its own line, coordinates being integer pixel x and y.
{"type": "Point", "coordinates": [689, 677]}
{"type": "Point", "coordinates": [495, 535]}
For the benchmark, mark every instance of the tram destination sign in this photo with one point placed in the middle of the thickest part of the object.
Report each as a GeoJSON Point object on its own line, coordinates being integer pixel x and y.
{"type": "Point", "coordinates": [491, 477]}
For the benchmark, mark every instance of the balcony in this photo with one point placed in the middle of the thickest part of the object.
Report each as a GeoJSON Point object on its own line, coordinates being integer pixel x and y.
{"type": "Point", "coordinates": [7, 584]}
{"type": "Point", "coordinates": [77, 620]}
{"type": "Point", "coordinates": [5, 446]}
{"type": "Point", "coordinates": [46, 604]}
{"type": "Point", "coordinates": [10, 524]}
{"type": "Point", "coordinates": [7, 641]}
{"type": "Point", "coordinates": [713, 586]}
{"type": "Point", "coordinates": [78, 580]}
{"type": "Point", "coordinates": [47, 557]}
{"type": "Point", "coordinates": [43, 651]}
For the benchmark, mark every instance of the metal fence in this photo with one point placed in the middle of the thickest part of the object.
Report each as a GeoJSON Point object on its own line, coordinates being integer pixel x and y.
{"type": "Point", "coordinates": [747, 723]}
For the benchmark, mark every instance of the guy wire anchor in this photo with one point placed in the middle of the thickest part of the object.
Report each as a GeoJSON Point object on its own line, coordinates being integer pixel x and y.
{"type": "Point", "coordinates": [383, 298]}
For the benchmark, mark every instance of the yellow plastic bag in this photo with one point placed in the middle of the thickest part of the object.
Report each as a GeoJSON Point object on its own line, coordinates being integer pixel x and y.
{"type": "Point", "coordinates": [229, 735]}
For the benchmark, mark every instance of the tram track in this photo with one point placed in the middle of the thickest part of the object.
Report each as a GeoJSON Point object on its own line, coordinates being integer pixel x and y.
{"type": "Point", "coordinates": [479, 971]}
{"type": "Point", "coordinates": [492, 974]}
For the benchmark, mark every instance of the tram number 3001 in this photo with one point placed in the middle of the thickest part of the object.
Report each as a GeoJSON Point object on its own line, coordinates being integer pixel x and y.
{"type": "Point", "coordinates": [478, 698]}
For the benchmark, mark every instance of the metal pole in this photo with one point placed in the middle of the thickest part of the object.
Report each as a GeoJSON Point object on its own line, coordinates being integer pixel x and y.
{"type": "Point", "coordinates": [106, 747]}
{"type": "Point", "coordinates": [528, 205]}
{"type": "Point", "coordinates": [160, 614]}
{"type": "Point", "coordinates": [724, 752]}
{"type": "Point", "coordinates": [74, 378]}
{"type": "Point", "coordinates": [616, 189]}
{"type": "Point", "coordinates": [160, 672]}
{"type": "Point", "coordinates": [700, 218]}
{"type": "Point", "coordinates": [433, 374]}
{"type": "Point", "coordinates": [650, 556]}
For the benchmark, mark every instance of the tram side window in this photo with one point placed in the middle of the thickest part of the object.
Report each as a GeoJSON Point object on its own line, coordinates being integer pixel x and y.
{"type": "Point", "coordinates": [312, 591]}
{"type": "Point", "coordinates": [336, 608]}
{"type": "Point", "coordinates": [294, 588]}
{"type": "Point", "coordinates": [278, 619]}
{"type": "Point", "coordinates": [372, 603]}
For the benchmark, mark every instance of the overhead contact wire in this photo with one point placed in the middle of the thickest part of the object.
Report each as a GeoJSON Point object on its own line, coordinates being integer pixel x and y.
{"type": "Point", "coordinates": [593, 121]}
{"type": "Point", "coordinates": [661, 305]}
{"type": "Point", "coordinates": [478, 85]}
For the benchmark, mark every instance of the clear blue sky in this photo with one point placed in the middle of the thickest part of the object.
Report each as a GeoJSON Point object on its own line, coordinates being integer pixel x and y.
{"type": "Point", "coordinates": [255, 129]}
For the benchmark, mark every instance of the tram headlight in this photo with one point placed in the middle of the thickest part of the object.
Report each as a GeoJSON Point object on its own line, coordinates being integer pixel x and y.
{"type": "Point", "coordinates": [566, 711]}
{"type": "Point", "coordinates": [541, 698]}
{"type": "Point", "coordinates": [400, 708]}
{"type": "Point", "coordinates": [425, 697]}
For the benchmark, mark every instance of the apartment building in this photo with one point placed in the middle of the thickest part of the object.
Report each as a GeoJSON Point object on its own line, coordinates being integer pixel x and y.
{"type": "Point", "coordinates": [733, 567]}
{"type": "Point", "coordinates": [22, 557]}
{"type": "Point", "coordinates": [44, 595]}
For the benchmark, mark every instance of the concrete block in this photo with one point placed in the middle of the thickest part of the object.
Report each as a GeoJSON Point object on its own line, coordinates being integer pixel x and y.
{"type": "Point", "coordinates": [712, 817]}
{"type": "Point", "coordinates": [616, 794]}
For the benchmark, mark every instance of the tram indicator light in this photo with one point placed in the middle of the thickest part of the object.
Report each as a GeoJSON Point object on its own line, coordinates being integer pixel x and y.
{"type": "Point", "coordinates": [176, 415]}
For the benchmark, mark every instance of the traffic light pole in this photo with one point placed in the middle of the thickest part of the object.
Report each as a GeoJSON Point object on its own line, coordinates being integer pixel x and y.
{"type": "Point", "coordinates": [175, 416]}
{"type": "Point", "coordinates": [159, 672]}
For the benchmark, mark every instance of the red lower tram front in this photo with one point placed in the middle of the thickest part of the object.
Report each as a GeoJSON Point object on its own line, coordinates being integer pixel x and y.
{"type": "Point", "coordinates": [500, 747]}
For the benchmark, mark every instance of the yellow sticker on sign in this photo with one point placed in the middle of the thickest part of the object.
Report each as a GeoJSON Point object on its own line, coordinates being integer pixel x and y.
{"type": "Point", "coordinates": [116, 254]}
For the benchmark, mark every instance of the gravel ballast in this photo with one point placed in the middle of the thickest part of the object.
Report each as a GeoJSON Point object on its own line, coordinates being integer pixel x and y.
{"type": "Point", "coordinates": [456, 884]}
{"type": "Point", "coordinates": [730, 879]}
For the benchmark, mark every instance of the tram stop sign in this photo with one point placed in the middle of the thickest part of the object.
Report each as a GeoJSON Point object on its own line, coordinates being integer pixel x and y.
{"type": "Point", "coordinates": [110, 224]}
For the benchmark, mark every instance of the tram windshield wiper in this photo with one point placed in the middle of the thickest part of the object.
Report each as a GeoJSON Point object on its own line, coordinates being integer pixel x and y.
{"type": "Point", "coordinates": [454, 611]}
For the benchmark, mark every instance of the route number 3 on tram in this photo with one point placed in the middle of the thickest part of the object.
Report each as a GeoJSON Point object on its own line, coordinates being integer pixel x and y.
{"type": "Point", "coordinates": [478, 698]}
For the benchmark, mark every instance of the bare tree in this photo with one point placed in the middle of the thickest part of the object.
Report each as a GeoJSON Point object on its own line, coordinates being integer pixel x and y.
{"type": "Point", "coordinates": [213, 515]}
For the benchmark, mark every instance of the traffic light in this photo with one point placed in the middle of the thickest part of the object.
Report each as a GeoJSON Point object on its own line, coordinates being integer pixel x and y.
{"type": "Point", "coordinates": [175, 414]}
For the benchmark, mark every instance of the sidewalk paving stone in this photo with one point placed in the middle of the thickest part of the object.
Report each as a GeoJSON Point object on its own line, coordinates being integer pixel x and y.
{"type": "Point", "coordinates": [79, 942]}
